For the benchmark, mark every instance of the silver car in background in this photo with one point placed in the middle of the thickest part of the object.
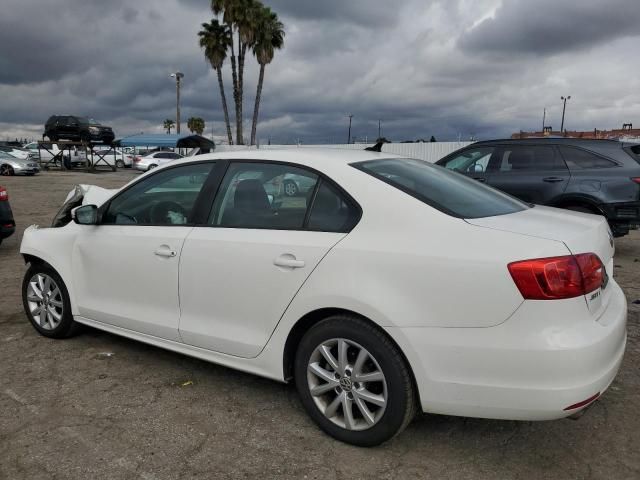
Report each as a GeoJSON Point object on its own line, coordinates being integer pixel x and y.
{"type": "Point", "coordinates": [10, 165]}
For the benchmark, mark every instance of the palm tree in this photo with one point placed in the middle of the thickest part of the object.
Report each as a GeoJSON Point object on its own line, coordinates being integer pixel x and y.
{"type": "Point", "coordinates": [196, 125]}
{"type": "Point", "coordinates": [168, 125]}
{"type": "Point", "coordinates": [216, 38]}
{"type": "Point", "coordinates": [269, 37]}
{"type": "Point", "coordinates": [241, 16]}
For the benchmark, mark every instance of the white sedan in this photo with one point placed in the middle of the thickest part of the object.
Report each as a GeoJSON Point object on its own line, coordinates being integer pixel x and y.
{"type": "Point", "coordinates": [112, 157]}
{"type": "Point", "coordinates": [391, 286]}
{"type": "Point", "coordinates": [153, 160]}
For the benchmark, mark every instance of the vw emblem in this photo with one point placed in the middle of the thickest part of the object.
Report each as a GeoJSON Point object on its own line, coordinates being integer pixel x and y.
{"type": "Point", "coordinates": [345, 383]}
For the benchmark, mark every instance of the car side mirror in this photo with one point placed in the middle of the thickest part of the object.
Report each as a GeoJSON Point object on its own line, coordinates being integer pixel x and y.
{"type": "Point", "coordinates": [85, 215]}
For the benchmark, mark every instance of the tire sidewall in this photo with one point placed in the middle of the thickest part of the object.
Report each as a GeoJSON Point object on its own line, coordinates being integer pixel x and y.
{"type": "Point", "coordinates": [67, 324]}
{"type": "Point", "coordinates": [390, 362]}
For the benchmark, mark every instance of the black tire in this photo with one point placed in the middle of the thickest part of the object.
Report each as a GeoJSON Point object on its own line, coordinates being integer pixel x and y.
{"type": "Point", "coordinates": [67, 327]}
{"type": "Point", "coordinates": [120, 164]}
{"type": "Point", "coordinates": [52, 138]}
{"type": "Point", "coordinates": [401, 399]}
{"type": "Point", "coordinates": [7, 170]}
{"type": "Point", "coordinates": [152, 166]}
{"type": "Point", "coordinates": [290, 188]}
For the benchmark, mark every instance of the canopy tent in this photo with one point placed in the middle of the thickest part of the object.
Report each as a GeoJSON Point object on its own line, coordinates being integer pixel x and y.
{"type": "Point", "coordinates": [165, 140]}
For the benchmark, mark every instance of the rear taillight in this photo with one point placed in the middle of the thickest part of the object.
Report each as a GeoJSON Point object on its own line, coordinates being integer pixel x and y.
{"type": "Point", "coordinates": [558, 277]}
{"type": "Point", "coordinates": [136, 159]}
{"type": "Point", "coordinates": [636, 179]}
{"type": "Point", "coordinates": [3, 194]}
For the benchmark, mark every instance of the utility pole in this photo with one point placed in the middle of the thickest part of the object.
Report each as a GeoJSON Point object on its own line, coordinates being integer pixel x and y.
{"type": "Point", "coordinates": [379, 130]}
{"type": "Point", "coordinates": [544, 118]}
{"type": "Point", "coordinates": [349, 135]}
{"type": "Point", "coordinates": [178, 76]}
{"type": "Point", "coordinates": [564, 106]}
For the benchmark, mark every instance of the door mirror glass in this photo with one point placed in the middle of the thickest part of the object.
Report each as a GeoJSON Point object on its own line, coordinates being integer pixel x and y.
{"type": "Point", "coordinates": [85, 215]}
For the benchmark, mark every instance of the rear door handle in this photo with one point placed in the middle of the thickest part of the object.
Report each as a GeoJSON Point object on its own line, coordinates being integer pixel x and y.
{"type": "Point", "coordinates": [480, 179]}
{"type": "Point", "coordinates": [553, 179]}
{"type": "Point", "coordinates": [287, 260]}
{"type": "Point", "coordinates": [165, 251]}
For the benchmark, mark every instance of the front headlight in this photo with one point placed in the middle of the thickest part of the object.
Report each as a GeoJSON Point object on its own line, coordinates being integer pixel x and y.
{"type": "Point", "coordinates": [94, 129]}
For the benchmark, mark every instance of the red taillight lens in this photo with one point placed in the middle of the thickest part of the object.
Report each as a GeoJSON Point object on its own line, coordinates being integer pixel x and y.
{"type": "Point", "coordinates": [636, 179]}
{"type": "Point", "coordinates": [557, 277]}
{"type": "Point", "coordinates": [3, 194]}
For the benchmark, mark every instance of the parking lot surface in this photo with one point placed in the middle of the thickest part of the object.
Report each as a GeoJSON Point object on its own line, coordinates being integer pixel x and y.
{"type": "Point", "coordinates": [98, 406]}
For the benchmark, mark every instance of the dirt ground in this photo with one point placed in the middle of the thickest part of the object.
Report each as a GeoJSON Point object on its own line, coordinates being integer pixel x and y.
{"type": "Point", "coordinates": [98, 406]}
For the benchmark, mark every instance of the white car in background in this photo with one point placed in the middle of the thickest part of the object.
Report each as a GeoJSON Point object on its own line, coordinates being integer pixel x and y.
{"type": "Point", "coordinates": [47, 151]}
{"type": "Point", "coordinates": [21, 153]}
{"type": "Point", "coordinates": [153, 160]}
{"type": "Point", "coordinates": [113, 157]}
{"type": "Point", "coordinates": [394, 285]}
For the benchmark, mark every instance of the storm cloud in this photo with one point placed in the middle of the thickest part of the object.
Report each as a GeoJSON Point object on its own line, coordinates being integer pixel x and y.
{"type": "Point", "coordinates": [449, 68]}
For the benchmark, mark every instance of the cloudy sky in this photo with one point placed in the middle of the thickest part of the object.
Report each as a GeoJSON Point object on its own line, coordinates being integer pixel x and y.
{"type": "Point", "coordinates": [449, 68]}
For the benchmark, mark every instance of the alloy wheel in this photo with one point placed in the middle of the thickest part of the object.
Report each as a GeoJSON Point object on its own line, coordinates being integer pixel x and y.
{"type": "Point", "coordinates": [45, 301]}
{"type": "Point", "coordinates": [6, 170]}
{"type": "Point", "coordinates": [290, 189]}
{"type": "Point", "coordinates": [347, 384]}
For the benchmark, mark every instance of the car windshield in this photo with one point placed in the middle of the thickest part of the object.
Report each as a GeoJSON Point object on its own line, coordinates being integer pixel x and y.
{"type": "Point", "coordinates": [447, 191]}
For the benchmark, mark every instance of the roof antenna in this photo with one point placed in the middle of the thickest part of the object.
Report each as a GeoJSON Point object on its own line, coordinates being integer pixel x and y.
{"type": "Point", "coordinates": [377, 147]}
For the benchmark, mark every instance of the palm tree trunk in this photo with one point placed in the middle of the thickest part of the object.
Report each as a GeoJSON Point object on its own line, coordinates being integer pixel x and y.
{"type": "Point", "coordinates": [242, 49]}
{"type": "Point", "coordinates": [256, 107]}
{"type": "Point", "coordinates": [224, 105]}
{"type": "Point", "coordinates": [234, 76]}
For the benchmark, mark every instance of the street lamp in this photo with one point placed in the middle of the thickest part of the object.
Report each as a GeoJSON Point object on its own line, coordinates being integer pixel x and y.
{"type": "Point", "coordinates": [564, 106]}
{"type": "Point", "coordinates": [349, 135]}
{"type": "Point", "coordinates": [178, 76]}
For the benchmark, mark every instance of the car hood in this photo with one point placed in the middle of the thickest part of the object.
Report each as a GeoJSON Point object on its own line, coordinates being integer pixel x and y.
{"type": "Point", "coordinates": [23, 162]}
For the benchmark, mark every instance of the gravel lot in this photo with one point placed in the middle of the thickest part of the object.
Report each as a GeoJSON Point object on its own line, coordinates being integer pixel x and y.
{"type": "Point", "coordinates": [102, 407]}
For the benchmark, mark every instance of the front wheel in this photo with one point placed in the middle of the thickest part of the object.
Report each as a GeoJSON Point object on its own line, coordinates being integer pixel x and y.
{"type": "Point", "coordinates": [354, 382]}
{"type": "Point", "coordinates": [120, 163]}
{"type": "Point", "coordinates": [290, 189]}
{"type": "Point", "coordinates": [46, 302]}
{"type": "Point", "coordinates": [6, 170]}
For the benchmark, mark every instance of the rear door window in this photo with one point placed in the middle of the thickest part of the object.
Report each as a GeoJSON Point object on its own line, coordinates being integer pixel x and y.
{"type": "Point", "coordinates": [447, 191]}
{"type": "Point", "coordinates": [579, 159]}
{"type": "Point", "coordinates": [529, 158]}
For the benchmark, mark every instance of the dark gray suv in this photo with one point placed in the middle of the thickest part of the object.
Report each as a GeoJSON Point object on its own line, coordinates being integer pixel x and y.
{"type": "Point", "coordinates": [595, 176]}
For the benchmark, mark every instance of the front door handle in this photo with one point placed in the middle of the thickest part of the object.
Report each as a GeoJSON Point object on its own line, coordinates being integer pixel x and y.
{"type": "Point", "coordinates": [480, 179]}
{"type": "Point", "coordinates": [553, 179]}
{"type": "Point", "coordinates": [165, 251]}
{"type": "Point", "coordinates": [288, 261]}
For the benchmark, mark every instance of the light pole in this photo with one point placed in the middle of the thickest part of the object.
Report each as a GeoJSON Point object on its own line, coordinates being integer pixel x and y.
{"type": "Point", "coordinates": [178, 76]}
{"type": "Point", "coordinates": [349, 135]}
{"type": "Point", "coordinates": [379, 129]}
{"type": "Point", "coordinates": [564, 106]}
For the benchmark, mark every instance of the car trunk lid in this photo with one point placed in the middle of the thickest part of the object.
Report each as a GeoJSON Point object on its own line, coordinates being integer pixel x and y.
{"type": "Point", "coordinates": [580, 232]}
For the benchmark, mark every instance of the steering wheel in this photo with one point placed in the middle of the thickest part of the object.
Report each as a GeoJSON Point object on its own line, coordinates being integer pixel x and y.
{"type": "Point", "coordinates": [167, 213]}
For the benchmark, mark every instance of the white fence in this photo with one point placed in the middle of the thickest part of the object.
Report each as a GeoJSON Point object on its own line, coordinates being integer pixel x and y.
{"type": "Point", "coordinates": [429, 152]}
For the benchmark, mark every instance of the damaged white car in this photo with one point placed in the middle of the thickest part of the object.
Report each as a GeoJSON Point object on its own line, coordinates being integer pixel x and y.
{"type": "Point", "coordinates": [386, 286]}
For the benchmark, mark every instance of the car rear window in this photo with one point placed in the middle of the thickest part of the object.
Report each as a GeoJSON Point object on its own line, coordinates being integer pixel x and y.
{"type": "Point", "coordinates": [634, 151]}
{"type": "Point", "coordinates": [450, 192]}
{"type": "Point", "coordinates": [577, 158]}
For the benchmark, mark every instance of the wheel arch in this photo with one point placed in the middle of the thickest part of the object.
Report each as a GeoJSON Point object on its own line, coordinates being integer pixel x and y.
{"type": "Point", "coordinates": [306, 322]}
{"type": "Point", "coordinates": [578, 201]}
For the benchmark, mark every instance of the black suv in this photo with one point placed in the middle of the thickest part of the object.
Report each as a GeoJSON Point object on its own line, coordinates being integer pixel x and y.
{"type": "Point", "coordinates": [595, 176]}
{"type": "Point", "coordinates": [71, 127]}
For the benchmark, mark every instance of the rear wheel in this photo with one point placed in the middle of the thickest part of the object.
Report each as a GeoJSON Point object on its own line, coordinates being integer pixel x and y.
{"type": "Point", "coordinates": [354, 382]}
{"type": "Point", "coordinates": [6, 170]}
{"type": "Point", "coordinates": [46, 302]}
{"type": "Point", "coordinates": [152, 166]}
{"type": "Point", "coordinates": [120, 163]}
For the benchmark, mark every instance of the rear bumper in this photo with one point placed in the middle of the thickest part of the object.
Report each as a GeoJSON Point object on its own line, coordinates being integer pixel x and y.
{"type": "Point", "coordinates": [622, 216]}
{"type": "Point", "coordinates": [531, 367]}
{"type": "Point", "coordinates": [6, 230]}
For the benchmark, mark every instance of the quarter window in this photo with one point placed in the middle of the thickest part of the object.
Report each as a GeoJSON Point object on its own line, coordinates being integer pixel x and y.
{"type": "Point", "coordinates": [165, 198]}
{"type": "Point", "coordinates": [330, 211]}
{"type": "Point", "coordinates": [577, 158]}
{"type": "Point", "coordinates": [261, 195]}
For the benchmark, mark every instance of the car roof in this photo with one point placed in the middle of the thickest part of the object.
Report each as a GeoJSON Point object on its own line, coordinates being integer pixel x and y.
{"type": "Point", "coordinates": [313, 157]}
{"type": "Point", "coordinates": [601, 142]}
